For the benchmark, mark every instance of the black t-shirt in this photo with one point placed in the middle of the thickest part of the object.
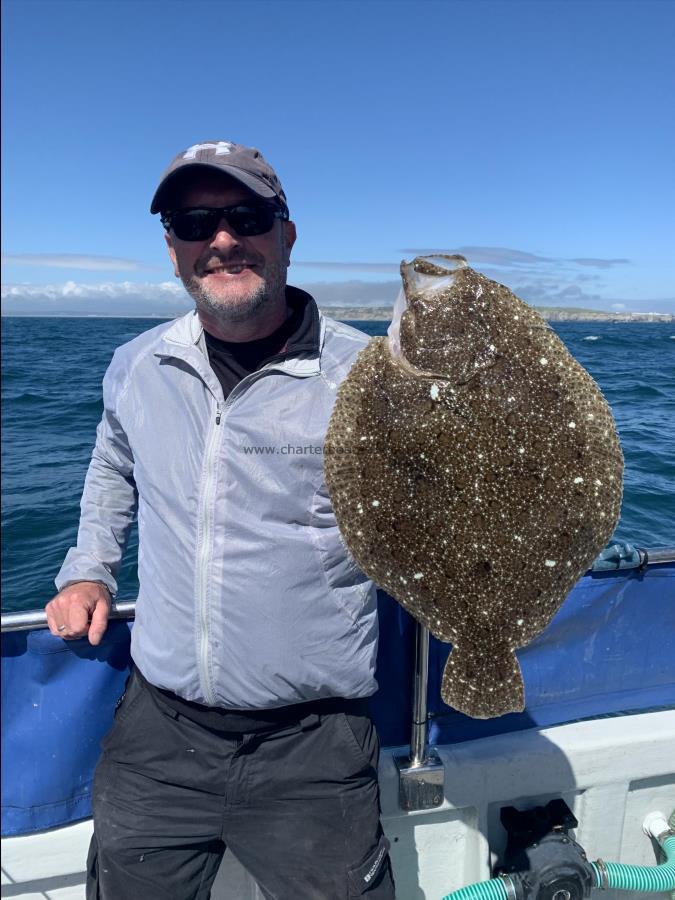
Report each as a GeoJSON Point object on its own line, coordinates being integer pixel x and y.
{"type": "Point", "coordinates": [232, 361]}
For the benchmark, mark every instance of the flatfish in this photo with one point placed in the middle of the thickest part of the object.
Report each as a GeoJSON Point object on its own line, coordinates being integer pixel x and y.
{"type": "Point", "coordinates": [475, 472]}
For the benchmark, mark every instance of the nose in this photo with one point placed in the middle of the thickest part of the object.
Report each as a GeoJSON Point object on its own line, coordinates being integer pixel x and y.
{"type": "Point", "coordinates": [224, 236]}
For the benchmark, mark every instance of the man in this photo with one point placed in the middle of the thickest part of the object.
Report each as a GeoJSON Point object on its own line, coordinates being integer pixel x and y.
{"type": "Point", "coordinates": [244, 721]}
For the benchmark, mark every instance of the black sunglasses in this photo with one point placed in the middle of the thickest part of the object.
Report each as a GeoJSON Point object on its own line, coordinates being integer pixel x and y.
{"type": "Point", "coordinates": [199, 224]}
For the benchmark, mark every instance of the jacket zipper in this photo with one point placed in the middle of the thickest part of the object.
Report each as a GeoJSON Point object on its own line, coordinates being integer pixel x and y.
{"type": "Point", "coordinates": [204, 544]}
{"type": "Point", "coordinates": [203, 559]}
{"type": "Point", "coordinates": [204, 541]}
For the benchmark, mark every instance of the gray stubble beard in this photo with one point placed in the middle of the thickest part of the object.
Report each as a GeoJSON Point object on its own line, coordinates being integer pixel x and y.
{"type": "Point", "coordinates": [272, 287]}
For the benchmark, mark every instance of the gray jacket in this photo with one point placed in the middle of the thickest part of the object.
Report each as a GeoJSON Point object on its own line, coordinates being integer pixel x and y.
{"type": "Point", "coordinates": [248, 598]}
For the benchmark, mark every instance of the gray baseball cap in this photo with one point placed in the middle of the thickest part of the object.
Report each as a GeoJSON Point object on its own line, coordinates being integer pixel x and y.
{"type": "Point", "coordinates": [245, 164]}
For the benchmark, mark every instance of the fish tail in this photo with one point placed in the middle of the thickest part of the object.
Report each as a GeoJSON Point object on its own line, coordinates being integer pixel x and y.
{"type": "Point", "coordinates": [483, 686]}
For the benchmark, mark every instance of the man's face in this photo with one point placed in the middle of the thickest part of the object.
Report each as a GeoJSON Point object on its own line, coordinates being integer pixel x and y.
{"type": "Point", "coordinates": [229, 277]}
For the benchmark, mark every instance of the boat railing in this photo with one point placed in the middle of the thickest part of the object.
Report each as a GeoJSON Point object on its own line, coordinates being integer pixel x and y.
{"type": "Point", "coordinates": [30, 619]}
{"type": "Point", "coordinates": [421, 773]}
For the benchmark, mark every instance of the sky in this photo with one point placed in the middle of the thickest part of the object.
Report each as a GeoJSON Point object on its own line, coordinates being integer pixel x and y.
{"type": "Point", "coordinates": [535, 137]}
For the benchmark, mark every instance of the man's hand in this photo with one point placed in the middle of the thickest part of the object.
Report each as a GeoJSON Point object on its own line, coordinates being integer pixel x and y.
{"type": "Point", "coordinates": [80, 609]}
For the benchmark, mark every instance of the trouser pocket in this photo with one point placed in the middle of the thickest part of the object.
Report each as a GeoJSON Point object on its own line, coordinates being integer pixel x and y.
{"type": "Point", "coordinates": [373, 877]}
{"type": "Point", "coordinates": [360, 736]}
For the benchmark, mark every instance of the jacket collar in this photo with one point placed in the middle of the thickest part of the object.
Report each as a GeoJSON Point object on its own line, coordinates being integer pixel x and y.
{"type": "Point", "coordinates": [187, 333]}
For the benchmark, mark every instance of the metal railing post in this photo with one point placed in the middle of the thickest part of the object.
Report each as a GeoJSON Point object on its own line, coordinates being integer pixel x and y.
{"type": "Point", "coordinates": [421, 774]}
{"type": "Point", "coordinates": [418, 733]}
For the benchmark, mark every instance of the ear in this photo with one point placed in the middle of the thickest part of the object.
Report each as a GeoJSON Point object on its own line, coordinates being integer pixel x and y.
{"type": "Point", "coordinates": [172, 253]}
{"type": "Point", "coordinates": [290, 235]}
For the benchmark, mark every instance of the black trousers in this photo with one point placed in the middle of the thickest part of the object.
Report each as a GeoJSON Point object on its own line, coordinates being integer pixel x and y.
{"type": "Point", "coordinates": [298, 806]}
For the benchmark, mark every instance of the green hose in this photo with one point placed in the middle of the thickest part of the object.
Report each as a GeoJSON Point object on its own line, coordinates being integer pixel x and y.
{"type": "Point", "coordinates": [617, 875]}
{"type": "Point", "coordinates": [640, 878]}
{"type": "Point", "coordinates": [481, 890]}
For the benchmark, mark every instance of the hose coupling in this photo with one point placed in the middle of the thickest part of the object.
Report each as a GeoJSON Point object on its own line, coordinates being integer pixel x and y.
{"type": "Point", "coordinates": [603, 875]}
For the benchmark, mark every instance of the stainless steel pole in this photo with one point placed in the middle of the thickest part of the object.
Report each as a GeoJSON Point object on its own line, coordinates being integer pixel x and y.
{"type": "Point", "coordinates": [29, 619]}
{"type": "Point", "coordinates": [421, 776]}
{"type": "Point", "coordinates": [418, 736]}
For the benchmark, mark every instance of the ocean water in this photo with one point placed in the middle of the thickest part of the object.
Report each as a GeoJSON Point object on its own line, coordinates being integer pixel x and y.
{"type": "Point", "coordinates": [51, 404]}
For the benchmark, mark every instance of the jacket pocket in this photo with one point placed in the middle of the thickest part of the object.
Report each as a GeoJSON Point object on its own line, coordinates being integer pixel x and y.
{"type": "Point", "coordinates": [352, 590]}
{"type": "Point", "coordinates": [339, 565]}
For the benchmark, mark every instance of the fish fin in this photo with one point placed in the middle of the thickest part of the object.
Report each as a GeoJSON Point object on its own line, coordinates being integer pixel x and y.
{"type": "Point", "coordinates": [481, 686]}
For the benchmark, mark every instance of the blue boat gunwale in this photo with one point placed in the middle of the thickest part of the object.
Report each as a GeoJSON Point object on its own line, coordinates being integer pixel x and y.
{"type": "Point", "coordinates": [628, 666]}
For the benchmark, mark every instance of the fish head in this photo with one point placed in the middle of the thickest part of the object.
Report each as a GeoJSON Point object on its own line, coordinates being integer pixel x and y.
{"type": "Point", "coordinates": [444, 323]}
{"type": "Point", "coordinates": [430, 274]}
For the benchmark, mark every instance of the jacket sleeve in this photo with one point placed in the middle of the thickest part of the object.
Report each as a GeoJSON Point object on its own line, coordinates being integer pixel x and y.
{"type": "Point", "coordinates": [109, 500]}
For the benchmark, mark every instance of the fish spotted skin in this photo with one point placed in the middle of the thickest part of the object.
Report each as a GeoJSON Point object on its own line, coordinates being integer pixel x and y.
{"type": "Point", "coordinates": [475, 476]}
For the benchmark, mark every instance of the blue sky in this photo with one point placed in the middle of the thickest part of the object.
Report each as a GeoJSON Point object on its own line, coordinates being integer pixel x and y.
{"type": "Point", "coordinates": [537, 135]}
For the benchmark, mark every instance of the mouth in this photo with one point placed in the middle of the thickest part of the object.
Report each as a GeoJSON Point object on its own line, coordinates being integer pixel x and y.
{"type": "Point", "coordinates": [431, 273]}
{"type": "Point", "coordinates": [229, 269]}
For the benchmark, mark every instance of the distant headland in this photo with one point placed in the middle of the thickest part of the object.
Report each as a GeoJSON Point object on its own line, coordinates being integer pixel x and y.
{"type": "Point", "coordinates": [366, 314]}
{"type": "Point", "coordinates": [550, 313]}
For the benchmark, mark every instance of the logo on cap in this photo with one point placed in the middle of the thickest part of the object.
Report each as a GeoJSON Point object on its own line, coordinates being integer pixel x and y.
{"type": "Point", "coordinates": [222, 148]}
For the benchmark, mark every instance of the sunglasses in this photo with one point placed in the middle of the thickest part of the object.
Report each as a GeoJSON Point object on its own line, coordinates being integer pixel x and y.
{"type": "Point", "coordinates": [246, 219]}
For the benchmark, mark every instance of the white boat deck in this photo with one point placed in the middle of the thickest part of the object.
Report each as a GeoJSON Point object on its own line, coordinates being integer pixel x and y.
{"type": "Point", "coordinates": [611, 772]}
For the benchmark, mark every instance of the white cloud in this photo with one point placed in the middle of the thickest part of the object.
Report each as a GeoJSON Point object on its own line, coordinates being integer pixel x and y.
{"type": "Point", "coordinates": [353, 293]}
{"type": "Point", "coordinates": [382, 267]}
{"type": "Point", "coordinates": [164, 299]}
{"type": "Point", "coordinates": [600, 263]}
{"type": "Point", "coordinates": [507, 257]}
{"type": "Point", "coordinates": [91, 291]}
{"type": "Point", "coordinates": [169, 298]}
{"type": "Point", "coordinates": [124, 298]}
{"type": "Point", "coordinates": [74, 261]}
{"type": "Point", "coordinates": [496, 256]}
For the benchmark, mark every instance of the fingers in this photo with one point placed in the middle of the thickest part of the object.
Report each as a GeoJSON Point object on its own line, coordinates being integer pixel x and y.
{"type": "Point", "coordinates": [68, 622]}
{"type": "Point", "coordinates": [78, 610]}
{"type": "Point", "coordinates": [99, 622]}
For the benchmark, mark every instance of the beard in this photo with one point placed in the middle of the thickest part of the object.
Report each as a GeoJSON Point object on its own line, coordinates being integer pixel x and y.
{"type": "Point", "coordinates": [245, 305]}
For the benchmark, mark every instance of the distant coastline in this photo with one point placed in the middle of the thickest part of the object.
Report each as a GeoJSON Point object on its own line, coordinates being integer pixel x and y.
{"type": "Point", "coordinates": [384, 313]}
{"type": "Point", "coordinates": [78, 315]}
{"type": "Point", "coordinates": [550, 313]}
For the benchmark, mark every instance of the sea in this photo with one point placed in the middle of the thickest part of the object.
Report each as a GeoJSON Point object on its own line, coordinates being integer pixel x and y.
{"type": "Point", "coordinates": [51, 403]}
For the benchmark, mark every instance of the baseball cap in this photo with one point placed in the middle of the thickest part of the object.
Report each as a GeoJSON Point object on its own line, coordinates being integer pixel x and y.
{"type": "Point", "coordinates": [245, 164]}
